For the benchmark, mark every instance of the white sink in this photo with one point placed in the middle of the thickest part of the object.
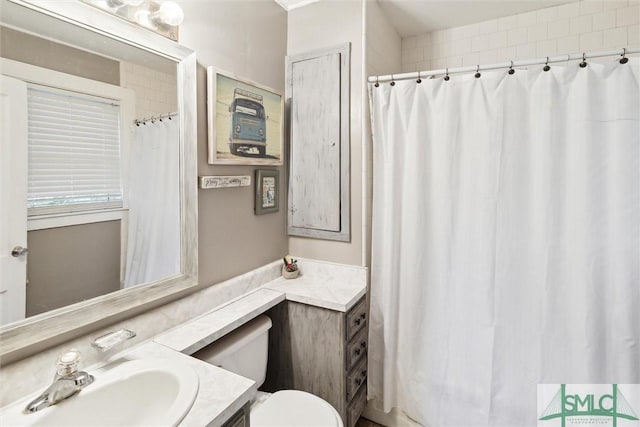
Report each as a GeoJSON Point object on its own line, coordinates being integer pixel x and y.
{"type": "Point", "coordinates": [141, 392]}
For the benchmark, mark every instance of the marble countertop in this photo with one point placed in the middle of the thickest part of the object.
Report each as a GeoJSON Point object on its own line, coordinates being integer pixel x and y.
{"type": "Point", "coordinates": [334, 286]}
{"type": "Point", "coordinates": [202, 331]}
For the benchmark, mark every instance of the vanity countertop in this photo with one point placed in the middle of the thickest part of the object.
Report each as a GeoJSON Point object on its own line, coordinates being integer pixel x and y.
{"type": "Point", "coordinates": [202, 331]}
{"type": "Point", "coordinates": [334, 286]}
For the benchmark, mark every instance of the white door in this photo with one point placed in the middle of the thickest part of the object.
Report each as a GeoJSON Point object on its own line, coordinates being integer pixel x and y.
{"type": "Point", "coordinates": [13, 199]}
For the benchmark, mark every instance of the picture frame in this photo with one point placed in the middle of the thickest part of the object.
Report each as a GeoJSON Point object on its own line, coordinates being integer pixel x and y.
{"type": "Point", "coordinates": [267, 191]}
{"type": "Point", "coordinates": [245, 121]}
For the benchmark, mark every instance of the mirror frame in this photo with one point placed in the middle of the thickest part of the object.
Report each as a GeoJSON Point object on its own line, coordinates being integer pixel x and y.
{"type": "Point", "coordinates": [36, 331]}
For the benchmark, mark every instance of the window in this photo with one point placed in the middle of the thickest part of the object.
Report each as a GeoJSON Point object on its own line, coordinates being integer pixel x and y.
{"type": "Point", "coordinates": [74, 152]}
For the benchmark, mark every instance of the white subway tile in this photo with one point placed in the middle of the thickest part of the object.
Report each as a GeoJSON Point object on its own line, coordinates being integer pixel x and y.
{"type": "Point", "coordinates": [569, 10]}
{"type": "Point", "coordinates": [537, 32]}
{"type": "Point", "coordinates": [469, 31]}
{"type": "Point", "coordinates": [440, 36]}
{"type": "Point", "coordinates": [408, 67]}
{"type": "Point", "coordinates": [488, 57]}
{"type": "Point", "coordinates": [633, 35]}
{"type": "Point", "coordinates": [453, 61]}
{"type": "Point", "coordinates": [507, 23]}
{"type": "Point", "coordinates": [416, 54]}
{"type": "Point", "coordinates": [507, 54]}
{"type": "Point", "coordinates": [616, 37]}
{"type": "Point", "coordinates": [558, 29]}
{"type": "Point", "coordinates": [547, 14]}
{"type": "Point", "coordinates": [526, 19]}
{"type": "Point", "coordinates": [462, 46]}
{"type": "Point", "coordinates": [424, 66]}
{"type": "Point", "coordinates": [480, 43]}
{"type": "Point", "coordinates": [456, 33]}
{"type": "Point", "coordinates": [614, 4]}
{"type": "Point", "coordinates": [404, 56]}
{"type": "Point", "coordinates": [470, 59]}
{"type": "Point", "coordinates": [409, 42]}
{"type": "Point", "coordinates": [580, 24]}
{"type": "Point", "coordinates": [526, 51]}
{"type": "Point", "coordinates": [569, 44]}
{"type": "Point", "coordinates": [488, 27]}
{"type": "Point", "coordinates": [424, 40]}
{"type": "Point", "coordinates": [438, 64]}
{"type": "Point", "coordinates": [589, 7]}
{"type": "Point", "coordinates": [628, 16]}
{"type": "Point", "coordinates": [517, 36]}
{"type": "Point", "coordinates": [604, 20]}
{"type": "Point", "coordinates": [498, 40]}
{"type": "Point", "coordinates": [546, 48]}
{"type": "Point", "coordinates": [592, 41]}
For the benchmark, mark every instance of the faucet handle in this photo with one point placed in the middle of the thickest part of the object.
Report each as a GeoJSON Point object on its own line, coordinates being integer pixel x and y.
{"type": "Point", "coordinates": [67, 363]}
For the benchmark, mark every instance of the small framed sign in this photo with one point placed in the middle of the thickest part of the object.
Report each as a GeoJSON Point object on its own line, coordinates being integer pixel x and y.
{"type": "Point", "coordinates": [267, 193]}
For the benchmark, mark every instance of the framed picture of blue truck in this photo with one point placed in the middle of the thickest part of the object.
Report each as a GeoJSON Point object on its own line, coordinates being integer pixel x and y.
{"type": "Point", "coordinates": [245, 121]}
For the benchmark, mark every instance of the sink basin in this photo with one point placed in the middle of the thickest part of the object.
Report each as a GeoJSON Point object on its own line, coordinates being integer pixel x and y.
{"type": "Point", "coordinates": [143, 392]}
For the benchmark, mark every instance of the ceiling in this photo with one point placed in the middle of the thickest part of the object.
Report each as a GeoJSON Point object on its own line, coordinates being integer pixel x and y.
{"type": "Point", "coordinates": [411, 17]}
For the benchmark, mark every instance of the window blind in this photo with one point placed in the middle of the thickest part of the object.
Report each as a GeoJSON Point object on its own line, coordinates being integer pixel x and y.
{"type": "Point", "coordinates": [74, 152]}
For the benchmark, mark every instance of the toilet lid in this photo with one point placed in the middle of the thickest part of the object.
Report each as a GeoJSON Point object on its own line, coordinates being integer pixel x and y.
{"type": "Point", "coordinates": [293, 408]}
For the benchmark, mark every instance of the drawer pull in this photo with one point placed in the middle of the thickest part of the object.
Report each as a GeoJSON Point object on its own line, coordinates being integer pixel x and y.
{"type": "Point", "coordinates": [363, 316]}
{"type": "Point", "coordinates": [358, 381]}
{"type": "Point", "coordinates": [357, 321]}
{"type": "Point", "coordinates": [357, 352]}
{"type": "Point", "coordinates": [363, 344]}
{"type": "Point", "coordinates": [364, 372]}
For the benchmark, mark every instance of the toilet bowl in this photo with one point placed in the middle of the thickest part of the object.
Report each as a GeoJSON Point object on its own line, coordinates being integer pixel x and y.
{"type": "Point", "coordinates": [244, 352]}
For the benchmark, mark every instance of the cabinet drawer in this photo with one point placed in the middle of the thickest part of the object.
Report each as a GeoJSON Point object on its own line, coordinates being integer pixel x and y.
{"type": "Point", "coordinates": [356, 318]}
{"type": "Point", "coordinates": [356, 378]}
{"type": "Point", "coordinates": [356, 407]}
{"type": "Point", "coordinates": [356, 348]}
{"type": "Point", "coordinates": [238, 420]}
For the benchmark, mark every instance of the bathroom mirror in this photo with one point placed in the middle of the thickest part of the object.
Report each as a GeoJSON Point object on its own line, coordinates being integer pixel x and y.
{"type": "Point", "coordinates": [75, 25]}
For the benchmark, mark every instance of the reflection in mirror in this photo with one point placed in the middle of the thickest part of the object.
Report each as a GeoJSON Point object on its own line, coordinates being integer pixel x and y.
{"type": "Point", "coordinates": [101, 181]}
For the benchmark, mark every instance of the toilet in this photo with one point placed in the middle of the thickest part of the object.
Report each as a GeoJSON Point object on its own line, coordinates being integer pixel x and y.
{"type": "Point", "coordinates": [244, 352]}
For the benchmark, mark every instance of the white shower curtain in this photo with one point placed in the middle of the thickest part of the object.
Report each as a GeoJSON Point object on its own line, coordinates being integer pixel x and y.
{"type": "Point", "coordinates": [153, 238]}
{"type": "Point", "coordinates": [506, 240]}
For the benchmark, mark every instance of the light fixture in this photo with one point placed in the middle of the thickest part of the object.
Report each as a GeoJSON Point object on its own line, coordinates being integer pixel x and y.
{"type": "Point", "coordinates": [169, 14]}
{"type": "Point", "coordinates": [162, 17]}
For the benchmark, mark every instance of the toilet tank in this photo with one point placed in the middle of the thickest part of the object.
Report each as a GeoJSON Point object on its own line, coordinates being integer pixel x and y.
{"type": "Point", "coordinates": [243, 351]}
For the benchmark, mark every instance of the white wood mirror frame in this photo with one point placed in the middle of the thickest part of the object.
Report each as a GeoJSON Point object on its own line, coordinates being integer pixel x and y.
{"type": "Point", "coordinates": [36, 331]}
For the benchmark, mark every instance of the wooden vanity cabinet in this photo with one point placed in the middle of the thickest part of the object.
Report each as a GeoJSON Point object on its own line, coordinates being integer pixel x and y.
{"type": "Point", "coordinates": [240, 418]}
{"type": "Point", "coordinates": [320, 351]}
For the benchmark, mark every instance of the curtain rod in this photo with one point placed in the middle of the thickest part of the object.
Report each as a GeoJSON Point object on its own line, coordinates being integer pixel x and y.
{"type": "Point", "coordinates": [153, 119]}
{"type": "Point", "coordinates": [498, 66]}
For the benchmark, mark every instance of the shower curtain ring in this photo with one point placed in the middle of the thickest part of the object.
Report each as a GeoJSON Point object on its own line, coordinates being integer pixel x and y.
{"type": "Point", "coordinates": [446, 75]}
{"type": "Point", "coordinates": [624, 59]}
{"type": "Point", "coordinates": [419, 79]}
{"type": "Point", "coordinates": [478, 71]}
{"type": "Point", "coordinates": [546, 65]}
{"type": "Point", "coordinates": [377, 81]}
{"type": "Point", "coordinates": [511, 70]}
{"type": "Point", "coordinates": [393, 82]}
{"type": "Point", "coordinates": [584, 60]}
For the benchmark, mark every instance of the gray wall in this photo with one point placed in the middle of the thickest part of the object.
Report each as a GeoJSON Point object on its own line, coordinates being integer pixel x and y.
{"type": "Point", "coordinates": [71, 264]}
{"type": "Point", "coordinates": [54, 56]}
{"type": "Point", "coordinates": [249, 39]}
{"type": "Point", "coordinates": [316, 26]}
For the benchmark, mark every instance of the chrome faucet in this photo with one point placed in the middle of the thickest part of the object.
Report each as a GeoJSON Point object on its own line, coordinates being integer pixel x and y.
{"type": "Point", "coordinates": [67, 381]}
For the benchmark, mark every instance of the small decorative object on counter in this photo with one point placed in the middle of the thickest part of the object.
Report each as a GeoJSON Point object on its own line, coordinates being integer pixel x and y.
{"type": "Point", "coordinates": [290, 268]}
